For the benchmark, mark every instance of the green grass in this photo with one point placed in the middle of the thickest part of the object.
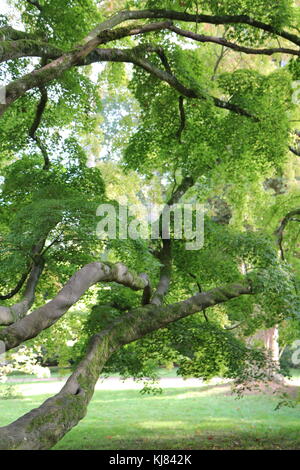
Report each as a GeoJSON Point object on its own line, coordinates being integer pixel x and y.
{"type": "Point", "coordinates": [56, 372]}
{"type": "Point", "coordinates": [183, 418]}
{"type": "Point", "coordinates": [295, 373]}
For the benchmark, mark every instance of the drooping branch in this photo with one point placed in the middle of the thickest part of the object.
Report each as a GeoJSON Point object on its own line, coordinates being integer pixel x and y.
{"type": "Point", "coordinates": [158, 50]}
{"type": "Point", "coordinates": [231, 45]}
{"type": "Point", "coordinates": [44, 426]}
{"type": "Point", "coordinates": [45, 316]}
{"type": "Point", "coordinates": [200, 290]}
{"type": "Point", "coordinates": [18, 287]}
{"type": "Point", "coordinates": [182, 118]}
{"type": "Point", "coordinates": [164, 255]}
{"type": "Point", "coordinates": [36, 255]}
{"type": "Point", "coordinates": [280, 230]}
{"type": "Point", "coordinates": [10, 315]}
{"type": "Point", "coordinates": [133, 56]}
{"type": "Point", "coordinates": [39, 112]}
{"type": "Point", "coordinates": [37, 120]}
{"type": "Point", "coordinates": [218, 62]}
{"type": "Point", "coordinates": [161, 54]}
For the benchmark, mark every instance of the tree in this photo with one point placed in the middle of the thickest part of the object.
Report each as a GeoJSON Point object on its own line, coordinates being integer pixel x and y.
{"type": "Point", "coordinates": [206, 131]}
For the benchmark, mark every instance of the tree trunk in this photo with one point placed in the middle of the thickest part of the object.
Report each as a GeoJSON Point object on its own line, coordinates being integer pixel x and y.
{"type": "Point", "coordinates": [43, 427]}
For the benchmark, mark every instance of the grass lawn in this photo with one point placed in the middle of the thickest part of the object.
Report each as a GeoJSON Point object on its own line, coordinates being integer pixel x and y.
{"type": "Point", "coordinates": [205, 417]}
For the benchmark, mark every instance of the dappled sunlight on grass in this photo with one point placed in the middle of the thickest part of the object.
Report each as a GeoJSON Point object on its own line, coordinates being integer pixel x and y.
{"type": "Point", "coordinates": [162, 424]}
{"type": "Point", "coordinates": [207, 417]}
{"type": "Point", "coordinates": [205, 391]}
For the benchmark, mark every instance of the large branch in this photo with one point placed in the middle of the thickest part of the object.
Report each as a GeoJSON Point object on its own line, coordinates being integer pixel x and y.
{"type": "Point", "coordinates": [134, 56]}
{"type": "Point", "coordinates": [192, 18]}
{"type": "Point", "coordinates": [25, 47]}
{"type": "Point", "coordinates": [44, 75]}
{"type": "Point", "coordinates": [28, 48]}
{"type": "Point", "coordinates": [35, 48]}
{"type": "Point", "coordinates": [88, 53]}
{"type": "Point", "coordinates": [9, 33]}
{"type": "Point", "coordinates": [45, 316]}
{"type": "Point", "coordinates": [231, 45]}
{"type": "Point", "coordinates": [103, 33]}
{"type": "Point", "coordinates": [43, 427]}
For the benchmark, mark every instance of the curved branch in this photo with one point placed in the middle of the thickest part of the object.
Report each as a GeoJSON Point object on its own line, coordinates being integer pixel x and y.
{"type": "Point", "coordinates": [42, 427]}
{"type": "Point", "coordinates": [9, 315]}
{"type": "Point", "coordinates": [232, 45]}
{"type": "Point", "coordinates": [88, 53]}
{"type": "Point", "coordinates": [132, 56]}
{"type": "Point", "coordinates": [280, 230]}
{"type": "Point", "coordinates": [42, 76]}
{"type": "Point", "coordinates": [36, 255]}
{"type": "Point", "coordinates": [182, 118]}
{"type": "Point", "coordinates": [191, 18]}
{"type": "Point", "coordinates": [165, 254]}
{"type": "Point", "coordinates": [17, 288]}
{"type": "Point", "coordinates": [45, 316]}
{"type": "Point", "coordinates": [37, 120]}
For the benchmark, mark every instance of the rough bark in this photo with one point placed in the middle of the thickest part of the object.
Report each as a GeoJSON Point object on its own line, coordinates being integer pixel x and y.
{"type": "Point", "coordinates": [27, 48]}
{"type": "Point", "coordinates": [42, 76]}
{"type": "Point", "coordinates": [9, 33]}
{"type": "Point", "coordinates": [45, 426]}
{"type": "Point", "coordinates": [192, 18]}
{"type": "Point", "coordinates": [45, 316]}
